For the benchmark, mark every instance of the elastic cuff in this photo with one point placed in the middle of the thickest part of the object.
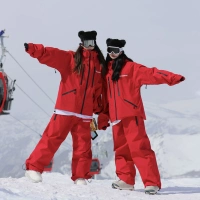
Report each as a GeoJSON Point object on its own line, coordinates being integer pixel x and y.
{"type": "Point", "coordinates": [31, 167]}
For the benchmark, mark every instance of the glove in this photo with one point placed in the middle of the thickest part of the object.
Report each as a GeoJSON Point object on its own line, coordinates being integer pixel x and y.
{"type": "Point", "coordinates": [182, 79]}
{"type": "Point", "coordinates": [93, 125]}
{"type": "Point", "coordinates": [103, 120]}
{"type": "Point", "coordinates": [26, 46]}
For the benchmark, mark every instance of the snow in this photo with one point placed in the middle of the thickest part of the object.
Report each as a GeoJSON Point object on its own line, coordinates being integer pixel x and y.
{"type": "Point", "coordinates": [56, 186]}
{"type": "Point", "coordinates": [174, 133]}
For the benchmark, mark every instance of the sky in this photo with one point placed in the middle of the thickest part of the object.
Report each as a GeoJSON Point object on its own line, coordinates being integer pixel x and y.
{"type": "Point", "coordinates": [56, 186]}
{"type": "Point", "coordinates": [159, 33]}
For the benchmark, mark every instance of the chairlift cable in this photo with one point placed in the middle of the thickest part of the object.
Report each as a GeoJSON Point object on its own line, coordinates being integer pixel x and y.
{"type": "Point", "coordinates": [3, 55]}
{"type": "Point", "coordinates": [31, 99]}
{"type": "Point", "coordinates": [28, 126]}
{"type": "Point", "coordinates": [30, 77]}
{"type": "Point", "coordinates": [25, 125]}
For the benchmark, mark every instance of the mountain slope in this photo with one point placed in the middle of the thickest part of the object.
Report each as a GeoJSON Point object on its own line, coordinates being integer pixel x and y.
{"type": "Point", "coordinates": [173, 131]}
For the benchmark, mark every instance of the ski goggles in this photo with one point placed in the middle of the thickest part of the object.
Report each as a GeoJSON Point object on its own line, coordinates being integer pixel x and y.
{"type": "Point", "coordinates": [115, 50]}
{"type": "Point", "coordinates": [87, 43]}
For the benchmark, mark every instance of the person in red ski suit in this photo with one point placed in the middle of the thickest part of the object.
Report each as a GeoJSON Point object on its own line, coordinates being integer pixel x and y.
{"type": "Point", "coordinates": [79, 96]}
{"type": "Point", "coordinates": [123, 106]}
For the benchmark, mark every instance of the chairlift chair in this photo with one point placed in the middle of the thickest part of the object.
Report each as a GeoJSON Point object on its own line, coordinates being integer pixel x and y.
{"type": "Point", "coordinates": [6, 85]}
{"type": "Point", "coordinates": [6, 93]}
{"type": "Point", "coordinates": [95, 167]}
{"type": "Point", "coordinates": [3, 91]}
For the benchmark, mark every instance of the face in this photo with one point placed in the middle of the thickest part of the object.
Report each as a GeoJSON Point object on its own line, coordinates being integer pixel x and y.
{"type": "Point", "coordinates": [114, 52]}
{"type": "Point", "coordinates": [114, 56]}
{"type": "Point", "coordinates": [90, 48]}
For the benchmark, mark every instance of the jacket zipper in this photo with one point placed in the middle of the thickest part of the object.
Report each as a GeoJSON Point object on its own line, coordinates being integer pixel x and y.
{"type": "Point", "coordinates": [136, 120]}
{"type": "Point", "coordinates": [162, 73]}
{"type": "Point", "coordinates": [82, 74]}
{"type": "Point", "coordinates": [130, 103]}
{"type": "Point", "coordinates": [55, 115]}
{"type": "Point", "coordinates": [93, 76]}
{"type": "Point", "coordinates": [109, 87]}
{"type": "Point", "coordinates": [115, 101]}
{"type": "Point", "coordinates": [118, 89]}
{"type": "Point", "coordinates": [74, 90]}
{"type": "Point", "coordinates": [86, 87]}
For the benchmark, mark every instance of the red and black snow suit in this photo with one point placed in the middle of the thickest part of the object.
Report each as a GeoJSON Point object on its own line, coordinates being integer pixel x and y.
{"type": "Point", "coordinates": [78, 94]}
{"type": "Point", "coordinates": [122, 101]}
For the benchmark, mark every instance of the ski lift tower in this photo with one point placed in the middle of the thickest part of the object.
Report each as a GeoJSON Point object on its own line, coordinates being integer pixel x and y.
{"type": "Point", "coordinates": [6, 85]}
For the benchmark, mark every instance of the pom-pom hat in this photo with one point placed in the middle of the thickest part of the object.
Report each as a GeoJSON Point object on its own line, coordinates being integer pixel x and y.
{"type": "Point", "coordinates": [115, 43]}
{"type": "Point", "coordinates": [88, 35]}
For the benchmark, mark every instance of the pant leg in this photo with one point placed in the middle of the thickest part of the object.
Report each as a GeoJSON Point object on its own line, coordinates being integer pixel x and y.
{"type": "Point", "coordinates": [125, 168]}
{"type": "Point", "coordinates": [54, 134]}
{"type": "Point", "coordinates": [142, 154]}
{"type": "Point", "coordinates": [82, 154]}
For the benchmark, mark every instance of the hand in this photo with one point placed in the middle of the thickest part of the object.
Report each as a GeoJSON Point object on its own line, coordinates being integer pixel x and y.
{"type": "Point", "coordinates": [105, 127]}
{"type": "Point", "coordinates": [103, 121]}
{"type": "Point", "coordinates": [26, 46]}
{"type": "Point", "coordinates": [182, 79]}
{"type": "Point", "coordinates": [93, 125]}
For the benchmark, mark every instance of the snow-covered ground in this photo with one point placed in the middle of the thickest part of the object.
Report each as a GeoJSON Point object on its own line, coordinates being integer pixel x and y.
{"type": "Point", "coordinates": [174, 131]}
{"type": "Point", "coordinates": [56, 186]}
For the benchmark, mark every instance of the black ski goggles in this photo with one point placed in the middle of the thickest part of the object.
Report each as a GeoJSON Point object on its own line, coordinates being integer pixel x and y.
{"type": "Point", "coordinates": [115, 50]}
{"type": "Point", "coordinates": [87, 43]}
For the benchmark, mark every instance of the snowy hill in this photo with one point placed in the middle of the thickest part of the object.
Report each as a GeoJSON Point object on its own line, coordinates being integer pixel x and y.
{"type": "Point", "coordinates": [174, 131]}
{"type": "Point", "coordinates": [56, 186]}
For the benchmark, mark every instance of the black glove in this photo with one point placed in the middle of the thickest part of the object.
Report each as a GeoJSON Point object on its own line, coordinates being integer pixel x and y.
{"type": "Point", "coordinates": [26, 46]}
{"type": "Point", "coordinates": [182, 79]}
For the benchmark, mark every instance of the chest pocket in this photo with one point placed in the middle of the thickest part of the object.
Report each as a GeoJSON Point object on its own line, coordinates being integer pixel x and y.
{"type": "Point", "coordinates": [122, 84]}
{"type": "Point", "coordinates": [123, 75]}
{"type": "Point", "coordinates": [122, 78]}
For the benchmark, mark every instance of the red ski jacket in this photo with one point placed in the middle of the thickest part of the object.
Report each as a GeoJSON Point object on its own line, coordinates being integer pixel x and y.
{"type": "Point", "coordinates": [122, 98]}
{"type": "Point", "coordinates": [79, 93]}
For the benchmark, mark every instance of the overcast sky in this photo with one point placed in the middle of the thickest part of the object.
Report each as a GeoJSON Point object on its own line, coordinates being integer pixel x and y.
{"type": "Point", "coordinates": [160, 33]}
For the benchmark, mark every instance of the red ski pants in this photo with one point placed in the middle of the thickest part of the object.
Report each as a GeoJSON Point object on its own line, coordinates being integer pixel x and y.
{"type": "Point", "coordinates": [54, 134]}
{"type": "Point", "coordinates": [132, 147]}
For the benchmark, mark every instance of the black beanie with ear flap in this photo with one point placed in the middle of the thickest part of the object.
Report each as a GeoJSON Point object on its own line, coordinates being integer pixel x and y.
{"type": "Point", "coordinates": [115, 42]}
{"type": "Point", "coordinates": [88, 35]}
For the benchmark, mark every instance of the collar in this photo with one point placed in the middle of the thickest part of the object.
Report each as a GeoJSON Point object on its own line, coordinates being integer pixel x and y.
{"type": "Point", "coordinates": [110, 65]}
{"type": "Point", "coordinates": [89, 53]}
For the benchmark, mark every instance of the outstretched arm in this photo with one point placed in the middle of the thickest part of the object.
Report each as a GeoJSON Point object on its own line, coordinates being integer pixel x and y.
{"type": "Point", "coordinates": [153, 76]}
{"type": "Point", "coordinates": [50, 56]}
